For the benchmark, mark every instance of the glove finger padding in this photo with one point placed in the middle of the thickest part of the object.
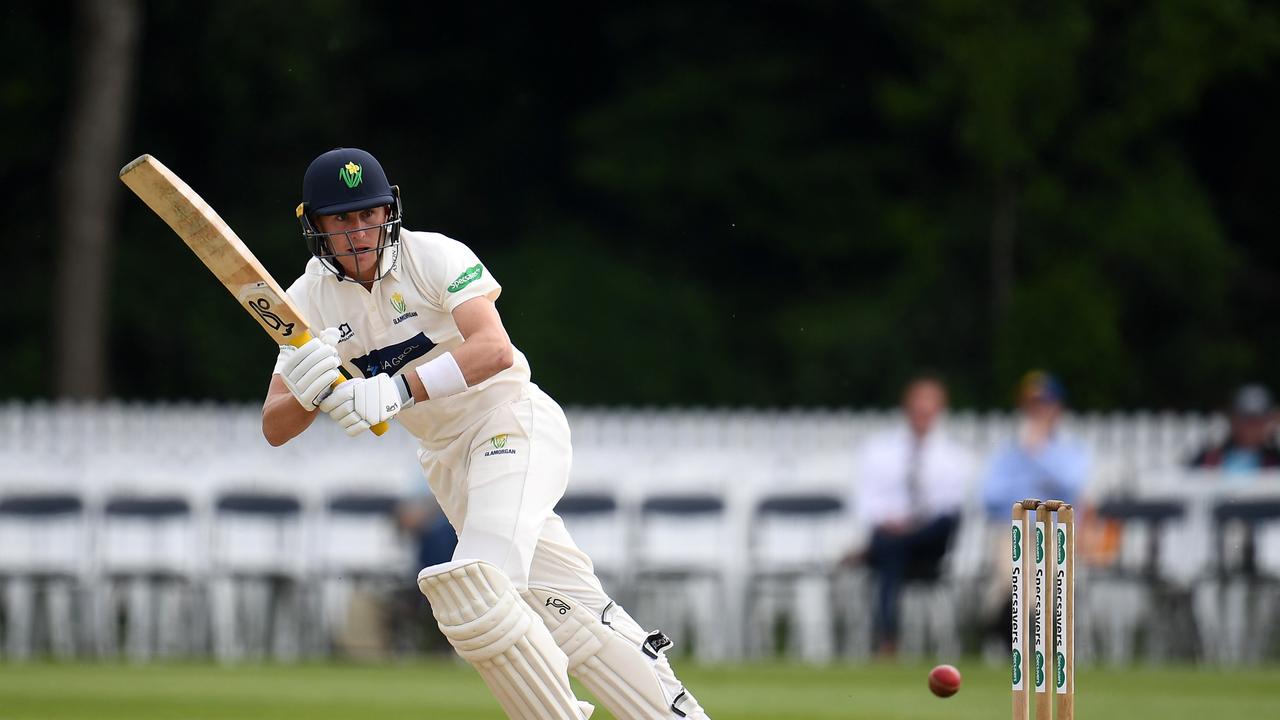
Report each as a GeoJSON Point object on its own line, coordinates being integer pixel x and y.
{"type": "Point", "coordinates": [353, 425]}
{"type": "Point", "coordinates": [300, 361]}
{"type": "Point", "coordinates": [340, 397]}
{"type": "Point", "coordinates": [318, 378]}
{"type": "Point", "coordinates": [341, 406]}
{"type": "Point", "coordinates": [361, 403]}
{"type": "Point", "coordinates": [349, 420]}
{"type": "Point", "coordinates": [308, 370]}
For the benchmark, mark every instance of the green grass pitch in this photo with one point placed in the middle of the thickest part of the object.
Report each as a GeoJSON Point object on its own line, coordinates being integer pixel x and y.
{"type": "Point", "coordinates": [444, 689]}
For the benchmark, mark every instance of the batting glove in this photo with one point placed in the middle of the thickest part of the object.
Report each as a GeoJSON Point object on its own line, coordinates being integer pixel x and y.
{"type": "Point", "coordinates": [309, 370]}
{"type": "Point", "coordinates": [363, 402]}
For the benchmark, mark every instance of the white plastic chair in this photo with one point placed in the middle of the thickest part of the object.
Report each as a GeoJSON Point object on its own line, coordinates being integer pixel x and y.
{"type": "Point", "coordinates": [359, 553]}
{"type": "Point", "coordinates": [1248, 586]}
{"type": "Point", "coordinates": [44, 554]}
{"type": "Point", "coordinates": [148, 558]}
{"type": "Point", "coordinates": [1145, 594]}
{"type": "Point", "coordinates": [258, 557]}
{"type": "Point", "coordinates": [680, 583]}
{"type": "Point", "coordinates": [795, 546]}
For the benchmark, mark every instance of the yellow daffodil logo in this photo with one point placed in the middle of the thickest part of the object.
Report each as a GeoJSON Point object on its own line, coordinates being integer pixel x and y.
{"type": "Point", "coordinates": [499, 442]}
{"type": "Point", "coordinates": [351, 174]}
{"type": "Point", "coordinates": [397, 302]}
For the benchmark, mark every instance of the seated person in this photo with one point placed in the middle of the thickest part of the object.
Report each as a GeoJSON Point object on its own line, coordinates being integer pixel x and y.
{"type": "Point", "coordinates": [911, 484]}
{"type": "Point", "coordinates": [1250, 444]}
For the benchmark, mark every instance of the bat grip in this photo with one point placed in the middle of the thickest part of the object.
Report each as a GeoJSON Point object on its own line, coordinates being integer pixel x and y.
{"type": "Point", "coordinates": [303, 338]}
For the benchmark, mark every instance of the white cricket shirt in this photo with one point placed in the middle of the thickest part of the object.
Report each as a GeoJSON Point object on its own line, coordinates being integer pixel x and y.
{"type": "Point", "coordinates": [407, 320]}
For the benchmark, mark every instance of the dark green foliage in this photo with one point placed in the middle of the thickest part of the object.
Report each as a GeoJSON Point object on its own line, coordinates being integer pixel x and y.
{"type": "Point", "coordinates": [712, 203]}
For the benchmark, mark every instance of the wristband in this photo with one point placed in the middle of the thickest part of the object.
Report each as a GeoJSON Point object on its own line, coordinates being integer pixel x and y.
{"type": "Point", "coordinates": [442, 377]}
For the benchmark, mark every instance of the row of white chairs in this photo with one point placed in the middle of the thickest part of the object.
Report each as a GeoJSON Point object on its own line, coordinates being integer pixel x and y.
{"type": "Point", "coordinates": [695, 540]}
{"type": "Point", "coordinates": [199, 454]}
{"type": "Point", "coordinates": [190, 566]}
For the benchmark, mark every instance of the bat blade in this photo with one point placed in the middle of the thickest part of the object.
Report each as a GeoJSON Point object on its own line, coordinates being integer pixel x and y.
{"type": "Point", "coordinates": [218, 247]}
{"type": "Point", "coordinates": [221, 250]}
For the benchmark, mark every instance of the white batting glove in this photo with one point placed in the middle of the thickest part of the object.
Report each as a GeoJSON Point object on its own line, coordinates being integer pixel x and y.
{"type": "Point", "coordinates": [362, 403]}
{"type": "Point", "coordinates": [309, 370]}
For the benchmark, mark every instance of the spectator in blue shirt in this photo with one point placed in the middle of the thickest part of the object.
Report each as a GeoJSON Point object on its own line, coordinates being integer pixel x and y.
{"type": "Point", "coordinates": [1040, 462]}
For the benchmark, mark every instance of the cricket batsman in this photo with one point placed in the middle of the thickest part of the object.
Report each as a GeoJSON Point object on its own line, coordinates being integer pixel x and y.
{"type": "Point", "coordinates": [413, 313]}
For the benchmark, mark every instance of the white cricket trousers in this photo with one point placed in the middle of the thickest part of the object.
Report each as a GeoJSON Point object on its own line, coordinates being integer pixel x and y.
{"type": "Point", "coordinates": [499, 482]}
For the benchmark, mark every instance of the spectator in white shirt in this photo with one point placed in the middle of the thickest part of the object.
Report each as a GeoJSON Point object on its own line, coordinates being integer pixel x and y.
{"type": "Point", "coordinates": [911, 484]}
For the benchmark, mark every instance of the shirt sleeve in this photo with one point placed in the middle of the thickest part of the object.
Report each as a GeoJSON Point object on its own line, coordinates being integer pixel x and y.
{"type": "Point", "coordinates": [461, 276]}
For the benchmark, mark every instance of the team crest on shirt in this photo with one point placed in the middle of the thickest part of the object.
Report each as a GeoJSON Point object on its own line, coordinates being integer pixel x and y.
{"type": "Point", "coordinates": [397, 304]}
{"type": "Point", "coordinates": [499, 443]}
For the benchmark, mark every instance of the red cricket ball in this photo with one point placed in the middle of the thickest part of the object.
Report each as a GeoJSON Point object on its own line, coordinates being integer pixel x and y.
{"type": "Point", "coordinates": [944, 680]}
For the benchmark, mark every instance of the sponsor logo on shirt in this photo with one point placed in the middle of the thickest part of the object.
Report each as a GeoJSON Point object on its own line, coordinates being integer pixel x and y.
{"type": "Point", "coordinates": [393, 358]}
{"type": "Point", "coordinates": [345, 332]}
{"type": "Point", "coordinates": [467, 277]}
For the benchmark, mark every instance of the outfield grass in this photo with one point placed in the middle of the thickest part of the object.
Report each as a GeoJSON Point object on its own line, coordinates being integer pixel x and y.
{"type": "Point", "coordinates": [449, 690]}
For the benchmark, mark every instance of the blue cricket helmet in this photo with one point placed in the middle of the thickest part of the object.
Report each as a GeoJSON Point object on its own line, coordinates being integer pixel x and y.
{"type": "Point", "coordinates": [346, 180]}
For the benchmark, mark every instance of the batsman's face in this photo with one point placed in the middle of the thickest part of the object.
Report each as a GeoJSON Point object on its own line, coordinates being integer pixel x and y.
{"type": "Point", "coordinates": [354, 239]}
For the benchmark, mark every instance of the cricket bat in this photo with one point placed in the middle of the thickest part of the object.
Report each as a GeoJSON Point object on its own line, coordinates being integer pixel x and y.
{"type": "Point", "coordinates": [218, 247]}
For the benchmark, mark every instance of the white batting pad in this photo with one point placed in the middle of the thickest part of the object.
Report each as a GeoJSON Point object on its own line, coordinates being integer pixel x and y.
{"type": "Point", "coordinates": [625, 667]}
{"type": "Point", "coordinates": [494, 630]}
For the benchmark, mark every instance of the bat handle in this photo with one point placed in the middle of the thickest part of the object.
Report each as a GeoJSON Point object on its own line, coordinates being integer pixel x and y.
{"type": "Point", "coordinates": [305, 337]}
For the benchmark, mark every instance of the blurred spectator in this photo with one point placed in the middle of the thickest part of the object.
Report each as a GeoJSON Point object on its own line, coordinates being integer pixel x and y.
{"type": "Point", "coordinates": [1039, 462]}
{"type": "Point", "coordinates": [911, 485]}
{"type": "Point", "coordinates": [1250, 444]}
{"type": "Point", "coordinates": [422, 518]}
{"type": "Point", "coordinates": [419, 515]}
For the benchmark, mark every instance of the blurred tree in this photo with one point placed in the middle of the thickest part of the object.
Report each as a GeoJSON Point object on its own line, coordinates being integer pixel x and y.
{"type": "Point", "coordinates": [1104, 248]}
{"type": "Point", "coordinates": [768, 204]}
{"type": "Point", "coordinates": [107, 33]}
{"type": "Point", "coordinates": [33, 96]}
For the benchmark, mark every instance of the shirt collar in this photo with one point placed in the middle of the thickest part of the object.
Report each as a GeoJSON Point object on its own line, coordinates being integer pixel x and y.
{"type": "Point", "coordinates": [390, 257]}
